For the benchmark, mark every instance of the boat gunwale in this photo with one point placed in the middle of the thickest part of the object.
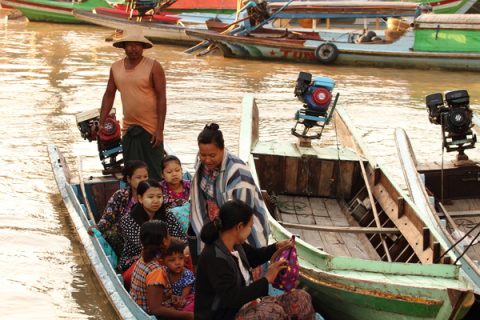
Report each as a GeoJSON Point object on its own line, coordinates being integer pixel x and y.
{"type": "Point", "coordinates": [113, 288]}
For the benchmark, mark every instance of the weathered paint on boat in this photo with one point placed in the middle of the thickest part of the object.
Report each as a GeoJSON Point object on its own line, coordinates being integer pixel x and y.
{"type": "Point", "coordinates": [399, 53]}
{"type": "Point", "coordinates": [120, 299]}
{"type": "Point", "coordinates": [352, 288]}
{"type": "Point", "coordinates": [53, 11]}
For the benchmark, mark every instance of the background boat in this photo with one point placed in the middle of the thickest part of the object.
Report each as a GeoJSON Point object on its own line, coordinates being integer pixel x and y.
{"type": "Point", "coordinates": [436, 42]}
{"type": "Point", "coordinates": [319, 194]}
{"type": "Point", "coordinates": [212, 6]}
{"type": "Point", "coordinates": [52, 10]}
{"type": "Point", "coordinates": [160, 28]}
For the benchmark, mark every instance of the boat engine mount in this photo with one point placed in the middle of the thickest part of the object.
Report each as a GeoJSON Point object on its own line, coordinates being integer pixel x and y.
{"type": "Point", "coordinates": [318, 104]}
{"type": "Point", "coordinates": [108, 138]}
{"type": "Point", "coordinates": [455, 118]}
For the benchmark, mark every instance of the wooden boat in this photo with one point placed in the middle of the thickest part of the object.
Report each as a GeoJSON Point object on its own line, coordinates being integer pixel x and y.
{"type": "Point", "coordinates": [98, 191]}
{"type": "Point", "coordinates": [160, 28]}
{"type": "Point", "coordinates": [54, 10]}
{"type": "Point", "coordinates": [447, 196]}
{"type": "Point", "coordinates": [212, 6]}
{"type": "Point", "coordinates": [436, 41]}
{"type": "Point", "coordinates": [319, 194]}
{"type": "Point", "coordinates": [451, 6]}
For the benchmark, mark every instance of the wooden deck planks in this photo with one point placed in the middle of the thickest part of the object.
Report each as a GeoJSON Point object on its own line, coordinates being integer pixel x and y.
{"type": "Point", "coordinates": [356, 243]}
{"type": "Point", "coordinates": [324, 212]}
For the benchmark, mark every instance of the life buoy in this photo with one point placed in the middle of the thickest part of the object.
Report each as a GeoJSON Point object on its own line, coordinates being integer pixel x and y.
{"type": "Point", "coordinates": [326, 53]}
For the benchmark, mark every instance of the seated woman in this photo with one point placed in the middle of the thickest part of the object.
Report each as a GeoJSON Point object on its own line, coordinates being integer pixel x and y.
{"type": "Point", "coordinates": [220, 176]}
{"type": "Point", "coordinates": [150, 288]}
{"type": "Point", "coordinates": [224, 285]}
{"type": "Point", "coordinates": [121, 203]}
{"type": "Point", "coordinates": [150, 206]}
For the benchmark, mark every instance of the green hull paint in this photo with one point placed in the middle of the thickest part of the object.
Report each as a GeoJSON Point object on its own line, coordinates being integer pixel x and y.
{"type": "Point", "coordinates": [454, 40]}
{"type": "Point", "coordinates": [55, 11]}
{"type": "Point", "coordinates": [39, 15]}
{"type": "Point", "coordinates": [445, 9]}
{"type": "Point", "coordinates": [374, 290]}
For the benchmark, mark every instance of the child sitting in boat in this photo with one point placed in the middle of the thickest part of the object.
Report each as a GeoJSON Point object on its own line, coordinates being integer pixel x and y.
{"type": "Point", "coordinates": [181, 279]}
{"type": "Point", "coordinates": [177, 189]}
{"type": "Point", "coordinates": [150, 206]}
{"type": "Point", "coordinates": [121, 203]}
{"type": "Point", "coordinates": [150, 286]}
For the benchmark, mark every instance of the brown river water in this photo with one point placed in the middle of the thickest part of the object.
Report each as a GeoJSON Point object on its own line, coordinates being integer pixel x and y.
{"type": "Point", "coordinates": [50, 72]}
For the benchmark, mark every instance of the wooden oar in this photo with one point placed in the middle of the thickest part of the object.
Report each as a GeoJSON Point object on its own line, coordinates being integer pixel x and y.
{"type": "Point", "coordinates": [82, 189]}
{"type": "Point", "coordinates": [372, 201]}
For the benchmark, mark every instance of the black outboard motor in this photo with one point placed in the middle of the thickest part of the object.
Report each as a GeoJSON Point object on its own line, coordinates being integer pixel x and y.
{"type": "Point", "coordinates": [455, 118]}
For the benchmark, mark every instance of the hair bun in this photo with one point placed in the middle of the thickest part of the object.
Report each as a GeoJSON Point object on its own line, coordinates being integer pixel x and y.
{"type": "Point", "coordinates": [212, 126]}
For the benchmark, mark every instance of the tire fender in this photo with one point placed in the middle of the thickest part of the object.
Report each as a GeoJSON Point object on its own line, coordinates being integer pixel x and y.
{"type": "Point", "coordinates": [326, 53]}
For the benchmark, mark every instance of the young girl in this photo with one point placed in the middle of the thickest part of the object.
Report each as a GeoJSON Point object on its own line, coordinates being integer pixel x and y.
{"type": "Point", "coordinates": [224, 285]}
{"type": "Point", "coordinates": [149, 207]}
{"type": "Point", "coordinates": [121, 203]}
{"type": "Point", "coordinates": [150, 287]}
{"type": "Point", "coordinates": [176, 189]}
{"type": "Point", "coordinates": [180, 278]}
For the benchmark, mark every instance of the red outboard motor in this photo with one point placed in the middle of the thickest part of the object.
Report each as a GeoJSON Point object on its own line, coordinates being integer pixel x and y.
{"type": "Point", "coordinates": [110, 133]}
{"type": "Point", "coordinates": [109, 140]}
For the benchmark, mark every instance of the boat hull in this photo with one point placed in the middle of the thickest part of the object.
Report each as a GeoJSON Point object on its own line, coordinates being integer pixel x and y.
{"type": "Point", "coordinates": [155, 31]}
{"type": "Point", "coordinates": [462, 186]}
{"type": "Point", "coordinates": [353, 288]}
{"type": "Point", "coordinates": [53, 11]}
{"type": "Point", "coordinates": [119, 298]}
{"type": "Point", "coordinates": [396, 55]}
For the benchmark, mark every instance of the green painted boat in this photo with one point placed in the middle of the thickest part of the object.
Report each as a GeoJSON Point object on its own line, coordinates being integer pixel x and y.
{"type": "Point", "coordinates": [359, 259]}
{"type": "Point", "coordinates": [54, 10]}
{"type": "Point", "coordinates": [450, 6]}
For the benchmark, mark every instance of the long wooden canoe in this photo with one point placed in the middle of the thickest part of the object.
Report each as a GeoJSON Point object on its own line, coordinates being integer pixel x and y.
{"type": "Point", "coordinates": [52, 10]}
{"type": "Point", "coordinates": [351, 275]}
{"type": "Point", "coordinates": [98, 192]}
{"type": "Point", "coordinates": [157, 31]}
{"type": "Point", "coordinates": [448, 199]}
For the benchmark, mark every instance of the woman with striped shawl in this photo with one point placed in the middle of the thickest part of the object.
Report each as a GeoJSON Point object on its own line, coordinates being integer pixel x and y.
{"type": "Point", "coordinates": [221, 176]}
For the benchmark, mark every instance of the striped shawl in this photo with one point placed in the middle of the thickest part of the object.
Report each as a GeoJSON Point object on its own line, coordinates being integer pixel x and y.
{"type": "Point", "coordinates": [234, 182]}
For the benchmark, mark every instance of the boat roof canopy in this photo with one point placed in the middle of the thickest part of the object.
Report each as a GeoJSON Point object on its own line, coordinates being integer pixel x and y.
{"type": "Point", "coordinates": [309, 5]}
{"type": "Point", "coordinates": [342, 9]}
{"type": "Point", "coordinates": [448, 21]}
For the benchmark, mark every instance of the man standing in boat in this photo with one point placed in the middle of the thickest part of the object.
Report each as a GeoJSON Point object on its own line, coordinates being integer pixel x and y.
{"type": "Point", "coordinates": [142, 85]}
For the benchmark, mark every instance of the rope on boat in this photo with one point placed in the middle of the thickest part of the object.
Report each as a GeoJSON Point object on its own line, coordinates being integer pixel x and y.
{"type": "Point", "coordinates": [460, 240]}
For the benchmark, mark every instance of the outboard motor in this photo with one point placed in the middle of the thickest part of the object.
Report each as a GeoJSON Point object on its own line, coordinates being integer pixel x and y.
{"type": "Point", "coordinates": [318, 103]}
{"type": "Point", "coordinates": [455, 117]}
{"type": "Point", "coordinates": [108, 138]}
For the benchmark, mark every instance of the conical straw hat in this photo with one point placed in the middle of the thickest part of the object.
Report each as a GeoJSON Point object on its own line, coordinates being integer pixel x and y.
{"type": "Point", "coordinates": [132, 34]}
